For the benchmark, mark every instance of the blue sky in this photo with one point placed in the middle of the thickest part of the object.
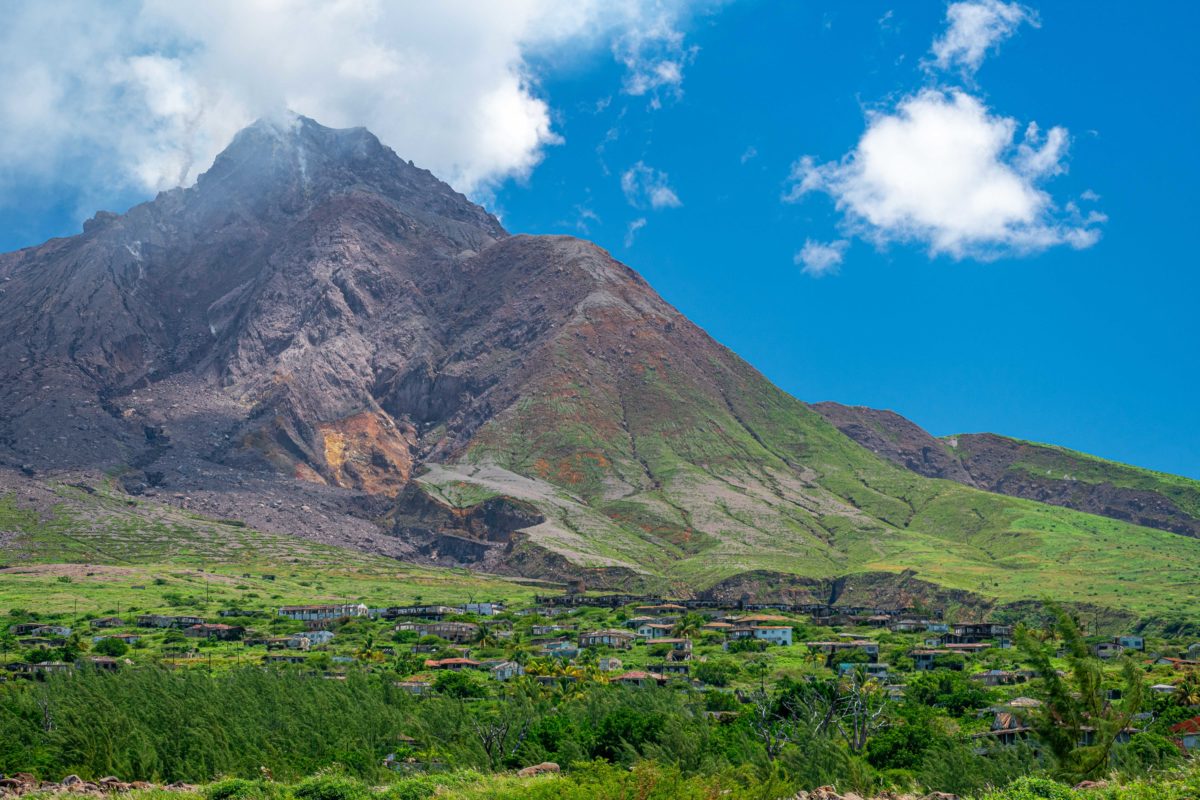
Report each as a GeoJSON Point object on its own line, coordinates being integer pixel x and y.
{"type": "Point", "coordinates": [676, 148]}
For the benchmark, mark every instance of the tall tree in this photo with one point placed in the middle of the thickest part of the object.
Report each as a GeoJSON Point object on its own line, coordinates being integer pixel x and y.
{"type": "Point", "coordinates": [1076, 721]}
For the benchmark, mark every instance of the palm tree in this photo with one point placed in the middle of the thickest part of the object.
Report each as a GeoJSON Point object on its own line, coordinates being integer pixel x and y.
{"type": "Point", "coordinates": [540, 667]}
{"type": "Point", "coordinates": [1187, 691]}
{"type": "Point", "coordinates": [485, 637]}
{"type": "Point", "coordinates": [368, 652]}
{"type": "Point", "coordinates": [689, 625]}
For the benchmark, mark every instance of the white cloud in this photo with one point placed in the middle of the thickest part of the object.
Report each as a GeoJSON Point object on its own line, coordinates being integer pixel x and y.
{"type": "Point", "coordinates": [942, 170]}
{"type": "Point", "coordinates": [645, 186]}
{"type": "Point", "coordinates": [974, 28]}
{"type": "Point", "coordinates": [820, 258]}
{"type": "Point", "coordinates": [1039, 156]}
{"type": "Point", "coordinates": [654, 54]}
{"type": "Point", "coordinates": [584, 216]}
{"type": "Point", "coordinates": [634, 226]}
{"type": "Point", "coordinates": [749, 153]}
{"type": "Point", "coordinates": [144, 94]}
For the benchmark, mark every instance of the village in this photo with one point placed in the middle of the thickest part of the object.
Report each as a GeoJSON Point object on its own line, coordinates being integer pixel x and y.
{"type": "Point", "coordinates": [725, 650]}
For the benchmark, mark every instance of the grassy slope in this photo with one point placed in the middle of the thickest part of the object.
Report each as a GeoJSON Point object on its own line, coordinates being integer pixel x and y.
{"type": "Point", "coordinates": [1051, 461]}
{"type": "Point", "coordinates": [703, 478]}
{"type": "Point", "coordinates": [97, 554]}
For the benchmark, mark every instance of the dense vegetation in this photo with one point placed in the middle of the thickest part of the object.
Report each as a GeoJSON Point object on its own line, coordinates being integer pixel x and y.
{"type": "Point", "coordinates": [246, 723]}
{"type": "Point", "coordinates": [749, 720]}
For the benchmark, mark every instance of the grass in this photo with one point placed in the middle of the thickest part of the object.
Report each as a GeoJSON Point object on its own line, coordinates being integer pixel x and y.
{"type": "Point", "coordinates": [1060, 463]}
{"type": "Point", "coordinates": [646, 781]}
{"type": "Point", "coordinates": [684, 475]}
{"type": "Point", "coordinates": [94, 554]}
{"type": "Point", "coordinates": [697, 478]}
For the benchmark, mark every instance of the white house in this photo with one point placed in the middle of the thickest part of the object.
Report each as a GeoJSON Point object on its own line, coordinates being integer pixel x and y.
{"type": "Point", "coordinates": [775, 634]}
{"type": "Point", "coordinates": [655, 630]}
{"type": "Point", "coordinates": [484, 609]}
{"type": "Point", "coordinates": [609, 664]}
{"type": "Point", "coordinates": [337, 611]}
{"type": "Point", "coordinates": [506, 670]}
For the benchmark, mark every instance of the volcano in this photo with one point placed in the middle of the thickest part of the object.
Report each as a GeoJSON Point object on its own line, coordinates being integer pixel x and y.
{"type": "Point", "coordinates": [321, 339]}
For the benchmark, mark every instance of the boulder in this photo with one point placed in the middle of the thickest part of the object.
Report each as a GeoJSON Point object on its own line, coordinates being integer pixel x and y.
{"type": "Point", "coordinates": [1091, 785]}
{"type": "Point", "coordinates": [546, 767]}
{"type": "Point", "coordinates": [824, 793]}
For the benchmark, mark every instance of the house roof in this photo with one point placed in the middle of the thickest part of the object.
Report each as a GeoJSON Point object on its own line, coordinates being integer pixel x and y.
{"type": "Point", "coordinates": [1025, 702]}
{"type": "Point", "coordinates": [1004, 720]}
{"type": "Point", "coordinates": [434, 662]}
{"type": "Point", "coordinates": [1187, 726]}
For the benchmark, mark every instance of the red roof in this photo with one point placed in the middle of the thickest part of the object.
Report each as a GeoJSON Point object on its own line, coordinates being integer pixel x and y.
{"type": "Point", "coordinates": [1187, 726]}
{"type": "Point", "coordinates": [433, 662]}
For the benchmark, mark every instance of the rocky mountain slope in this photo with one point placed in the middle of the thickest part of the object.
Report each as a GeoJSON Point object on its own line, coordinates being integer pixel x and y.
{"type": "Point", "coordinates": [1045, 473]}
{"type": "Point", "coordinates": [321, 339]}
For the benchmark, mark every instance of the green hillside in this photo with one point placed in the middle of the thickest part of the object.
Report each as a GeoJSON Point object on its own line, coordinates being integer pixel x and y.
{"type": "Point", "coordinates": [98, 553]}
{"type": "Point", "coordinates": [699, 472]}
{"type": "Point", "coordinates": [1052, 462]}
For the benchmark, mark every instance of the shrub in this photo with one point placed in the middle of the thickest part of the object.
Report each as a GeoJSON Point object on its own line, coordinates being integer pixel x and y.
{"type": "Point", "coordinates": [458, 684]}
{"type": "Point", "coordinates": [718, 672]}
{"type": "Point", "coordinates": [110, 647]}
{"type": "Point", "coordinates": [241, 789]}
{"type": "Point", "coordinates": [1037, 789]}
{"type": "Point", "coordinates": [330, 787]}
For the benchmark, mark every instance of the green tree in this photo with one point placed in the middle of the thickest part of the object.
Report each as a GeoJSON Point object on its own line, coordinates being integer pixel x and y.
{"type": "Point", "coordinates": [946, 689]}
{"type": "Point", "coordinates": [689, 625]}
{"type": "Point", "coordinates": [114, 648]}
{"type": "Point", "coordinates": [454, 683]}
{"type": "Point", "coordinates": [717, 672]}
{"type": "Point", "coordinates": [1077, 723]}
{"type": "Point", "coordinates": [904, 743]}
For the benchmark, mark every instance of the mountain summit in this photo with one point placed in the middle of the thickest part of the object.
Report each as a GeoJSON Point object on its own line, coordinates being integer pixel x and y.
{"type": "Point", "coordinates": [322, 339]}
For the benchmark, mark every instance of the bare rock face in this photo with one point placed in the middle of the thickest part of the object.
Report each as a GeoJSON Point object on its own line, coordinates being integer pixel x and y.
{"type": "Point", "coordinates": [896, 439]}
{"type": "Point", "coordinates": [307, 325]}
